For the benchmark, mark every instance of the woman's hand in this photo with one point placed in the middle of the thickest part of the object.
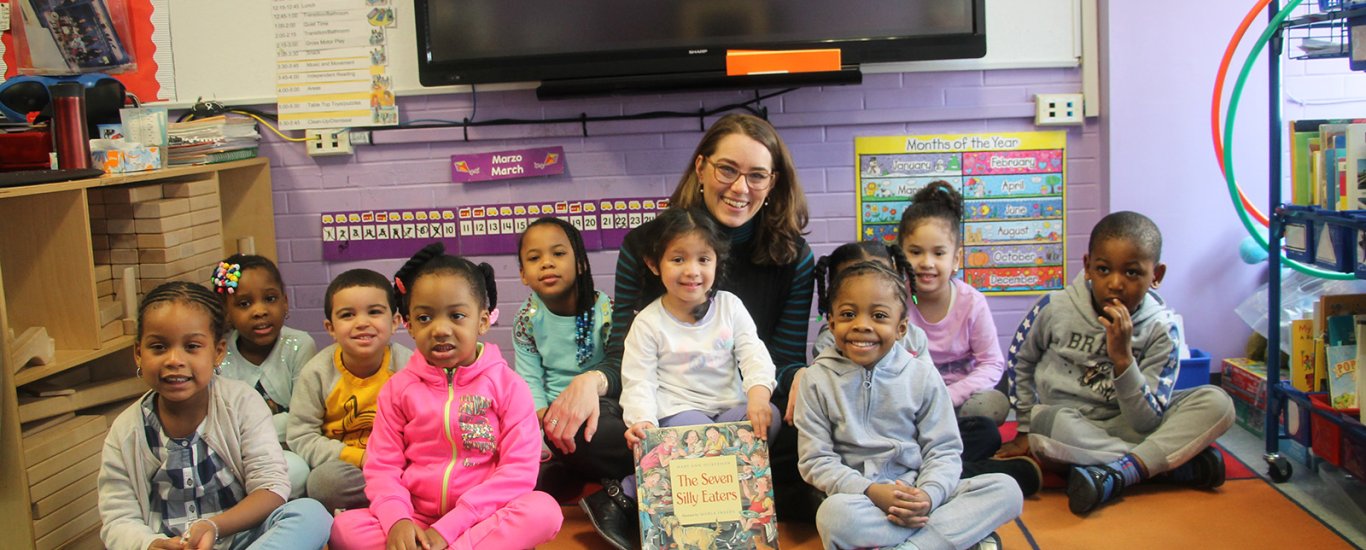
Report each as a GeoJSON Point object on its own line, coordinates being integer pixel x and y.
{"type": "Point", "coordinates": [636, 433]}
{"type": "Point", "coordinates": [792, 394]}
{"type": "Point", "coordinates": [576, 406]}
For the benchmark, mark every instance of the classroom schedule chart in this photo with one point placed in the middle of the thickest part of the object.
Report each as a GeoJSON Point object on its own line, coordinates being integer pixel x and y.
{"type": "Point", "coordinates": [1013, 187]}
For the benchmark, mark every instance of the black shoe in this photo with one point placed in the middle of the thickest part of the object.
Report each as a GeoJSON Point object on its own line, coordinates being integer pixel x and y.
{"type": "Point", "coordinates": [1090, 486]}
{"type": "Point", "coordinates": [558, 481]}
{"type": "Point", "coordinates": [1204, 471]}
{"type": "Point", "coordinates": [613, 515]}
{"type": "Point", "coordinates": [1022, 469]}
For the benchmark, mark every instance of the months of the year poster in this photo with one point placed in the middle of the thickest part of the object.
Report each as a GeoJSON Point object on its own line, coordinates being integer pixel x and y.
{"type": "Point", "coordinates": [1013, 187]}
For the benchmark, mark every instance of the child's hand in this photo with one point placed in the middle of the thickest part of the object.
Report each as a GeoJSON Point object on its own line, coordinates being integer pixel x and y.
{"type": "Point", "coordinates": [167, 544]}
{"type": "Point", "coordinates": [435, 541]}
{"type": "Point", "coordinates": [200, 536]}
{"type": "Point", "coordinates": [1015, 447]}
{"type": "Point", "coordinates": [912, 507]}
{"type": "Point", "coordinates": [760, 416]}
{"type": "Point", "coordinates": [883, 495]}
{"type": "Point", "coordinates": [1119, 335]}
{"type": "Point", "coordinates": [405, 535]}
{"type": "Point", "coordinates": [758, 410]}
{"type": "Point", "coordinates": [636, 433]}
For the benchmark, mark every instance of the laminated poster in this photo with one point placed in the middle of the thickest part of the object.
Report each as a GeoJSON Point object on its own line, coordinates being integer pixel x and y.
{"type": "Point", "coordinates": [1014, 210]}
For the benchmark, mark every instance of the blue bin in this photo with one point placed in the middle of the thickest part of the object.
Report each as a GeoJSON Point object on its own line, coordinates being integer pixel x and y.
{"type": "Point", "coordinates": [1194, 371]}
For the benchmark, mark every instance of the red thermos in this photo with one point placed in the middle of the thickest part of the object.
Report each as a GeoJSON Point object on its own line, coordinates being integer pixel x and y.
{"type": "Point", "coordinates": [70, 136]}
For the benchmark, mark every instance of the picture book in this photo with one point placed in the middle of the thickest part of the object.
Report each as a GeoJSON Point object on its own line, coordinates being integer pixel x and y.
{"type": "Point", "coordinates": [1302, 354]}
{"type": "Point", "coordinates": [705, 486]}
{"type": "Point", "coordinates": [1354, 161]}
{"type": "Point", "coordinates": [1303, 144]}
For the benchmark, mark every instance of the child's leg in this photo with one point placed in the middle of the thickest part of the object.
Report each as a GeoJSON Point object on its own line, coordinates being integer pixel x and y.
{"type": "Point", "coordinates": [1194, 419]}
{"type": "Point", "coordinates": [853, 521]}
{"type": "Point", "coordinates": [337, 484]}
{"type": "Point", "coordinates": [976, 508]}
{"type": "Point", "coordinates": [1064, 435]}
{"type": "Point", "coordinates": [298, 474]}
{"type": "Point", "coordinates": [741, 412]}
{"type": "Point", "coordinates": [525, 522]}
{"type": "Point", "coordinates": [981, 437]}
{"type": "Point", "coordinates": [297, 524]}
{"type": "Point", "coordinates": [357, 529]}
{"type": "Point", "coordinates": [989, 403]}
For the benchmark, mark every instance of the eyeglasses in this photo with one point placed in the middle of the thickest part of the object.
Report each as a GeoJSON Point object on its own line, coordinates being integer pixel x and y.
{"type": "Point", "coordinates": [758, 180]}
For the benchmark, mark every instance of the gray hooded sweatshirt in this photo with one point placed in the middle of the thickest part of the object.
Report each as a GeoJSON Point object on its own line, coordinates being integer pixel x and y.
{"type": "Point", "coordinates": [857, 426]}
{"type": "Point", "coordinates": [1059, 359]}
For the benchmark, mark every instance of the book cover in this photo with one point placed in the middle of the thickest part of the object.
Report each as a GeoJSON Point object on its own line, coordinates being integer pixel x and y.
{"type": "Point", "coordinates": [705, 486]}
{"type": "Point", "coordinates": [1355, 145]}
{"type": "Point", "coordinates": [1302, 354]}
{"type": "Point", "coordinates": [1301, 163]}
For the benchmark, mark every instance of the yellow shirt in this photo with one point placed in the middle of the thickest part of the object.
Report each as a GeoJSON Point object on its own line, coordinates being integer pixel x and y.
{"type": "Point", "coordinates": [351, 407]}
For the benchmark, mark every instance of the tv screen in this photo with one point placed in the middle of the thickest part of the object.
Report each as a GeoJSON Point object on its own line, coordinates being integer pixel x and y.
{"type": "Point", "coordinates": [484, 41]}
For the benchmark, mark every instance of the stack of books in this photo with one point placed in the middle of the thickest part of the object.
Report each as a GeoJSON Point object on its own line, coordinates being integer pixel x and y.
{"type": "Point", "coordinates": [214, 139]}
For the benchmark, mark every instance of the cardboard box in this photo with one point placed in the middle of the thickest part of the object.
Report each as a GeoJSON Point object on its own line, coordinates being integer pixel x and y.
{"type": "Point", "coordinates": [1245, 379]}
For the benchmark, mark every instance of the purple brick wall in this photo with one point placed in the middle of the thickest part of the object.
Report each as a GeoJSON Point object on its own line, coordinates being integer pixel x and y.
{"type": "Point", "coordinates": [638, 158]}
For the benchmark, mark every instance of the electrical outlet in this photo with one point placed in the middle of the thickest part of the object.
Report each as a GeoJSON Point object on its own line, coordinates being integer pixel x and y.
{"type": "Point", "coordinates": [1058, 110]}
{"type": "Point", "coordinates": [328, 142]}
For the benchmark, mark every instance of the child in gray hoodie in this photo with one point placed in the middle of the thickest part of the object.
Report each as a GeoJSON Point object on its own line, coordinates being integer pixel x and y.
{"type": "Point", "coordinates": [877, 433]}
{"type": "Point", "coordinates": [1094, 374]}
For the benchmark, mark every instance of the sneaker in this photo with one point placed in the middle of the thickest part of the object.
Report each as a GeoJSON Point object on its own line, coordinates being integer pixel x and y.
{"type": "Point", "coordinates": [992, 542]}
{"type": "Point", "coordinates": [613, 515]}
{"type": "Point", "coordinates": [1204, 471]}
{"type": "Point", "coordinates": [1090, 486]}
{"type": "Point", "coordinates": [1023, 469]}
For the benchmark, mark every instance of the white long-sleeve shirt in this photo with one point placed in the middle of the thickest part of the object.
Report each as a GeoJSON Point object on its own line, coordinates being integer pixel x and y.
{"type": "Point", "coordinates": [670, 366]}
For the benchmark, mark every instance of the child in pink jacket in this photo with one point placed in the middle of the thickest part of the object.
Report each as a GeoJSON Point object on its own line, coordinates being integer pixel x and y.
{"type": "Point", "coordinates": [453, 455]}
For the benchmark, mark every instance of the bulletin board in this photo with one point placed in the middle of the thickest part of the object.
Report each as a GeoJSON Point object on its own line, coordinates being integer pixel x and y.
{"type": "Point", "coordinates": [1014, 207]}
{"type": "Point", "coordinates": [225, 51]}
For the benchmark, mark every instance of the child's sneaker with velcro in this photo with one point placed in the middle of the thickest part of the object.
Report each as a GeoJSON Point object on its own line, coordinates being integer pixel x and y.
{"type": "Point", "coordinates": [1090, 486]}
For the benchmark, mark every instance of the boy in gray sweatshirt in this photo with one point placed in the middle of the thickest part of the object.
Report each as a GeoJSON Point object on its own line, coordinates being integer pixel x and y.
{"type": "Point", "coordinates": [1093, 375]}
{"type": "Point", "coordinates": [877, 433]}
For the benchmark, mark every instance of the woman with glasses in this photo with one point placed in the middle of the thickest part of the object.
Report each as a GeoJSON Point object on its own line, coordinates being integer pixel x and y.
{"type": "Point", "coordinates": [742, 176]}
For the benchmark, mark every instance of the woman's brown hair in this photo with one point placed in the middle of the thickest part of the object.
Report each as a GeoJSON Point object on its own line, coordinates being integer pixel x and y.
{"type": "Point", "coordinates": [783, 218]}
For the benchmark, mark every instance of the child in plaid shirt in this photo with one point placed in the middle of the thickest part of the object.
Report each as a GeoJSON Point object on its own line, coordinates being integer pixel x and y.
{"type": "Point", "coordinates": [195, 463]}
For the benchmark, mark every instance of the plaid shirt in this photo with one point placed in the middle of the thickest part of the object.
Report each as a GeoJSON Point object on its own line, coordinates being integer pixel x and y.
{"type": "Point", "coordinates": [192, 482]}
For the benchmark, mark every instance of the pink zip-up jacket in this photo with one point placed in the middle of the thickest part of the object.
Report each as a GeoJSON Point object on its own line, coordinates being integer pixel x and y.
{"type": "Point", "coordinates": [451, 446]}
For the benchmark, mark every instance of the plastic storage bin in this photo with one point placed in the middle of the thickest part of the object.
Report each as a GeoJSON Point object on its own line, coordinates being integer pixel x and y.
{"type": "Point", "coordinates": [1299, 236]}
{"type": "Point", "coordinates": [1296, 415]}
{"type": "Point", "coordinates": [1194, 371]}
{"type": "Point", "coordinates": [1354, 448]}
{"type": "Point", "coordinates": [1333, 243]}
{"type": "Point", "coordinates": [1327, 426]}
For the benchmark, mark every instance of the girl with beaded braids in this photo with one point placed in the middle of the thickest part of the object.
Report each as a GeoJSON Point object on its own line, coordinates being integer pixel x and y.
{"type": "Point", "coordinates": [560, 329]}
{"type": "Point", "coordinates": [194, 461]}
{"type": "Point", "coordinates": [453, 453]}
{"type": "Point", "coordinates": [842, 258]}
{"type": "Point", "coordinates": [262, 352]}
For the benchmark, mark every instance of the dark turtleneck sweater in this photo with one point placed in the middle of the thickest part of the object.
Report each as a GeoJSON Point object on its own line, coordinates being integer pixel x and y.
{"type": "Point", "coordinates": [778, 297]}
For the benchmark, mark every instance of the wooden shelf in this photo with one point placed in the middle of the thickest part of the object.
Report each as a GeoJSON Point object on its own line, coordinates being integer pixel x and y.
{"type": "Point", "coordinates": [86, 396]}
{"type": "Point", "coordinates": [125, 179]}
{"type": "Point", "coordinates": [68, 359]}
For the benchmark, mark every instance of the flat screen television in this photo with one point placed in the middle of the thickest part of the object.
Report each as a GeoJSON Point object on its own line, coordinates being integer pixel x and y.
{"type": "Point", "coordinates": [632, 43]}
